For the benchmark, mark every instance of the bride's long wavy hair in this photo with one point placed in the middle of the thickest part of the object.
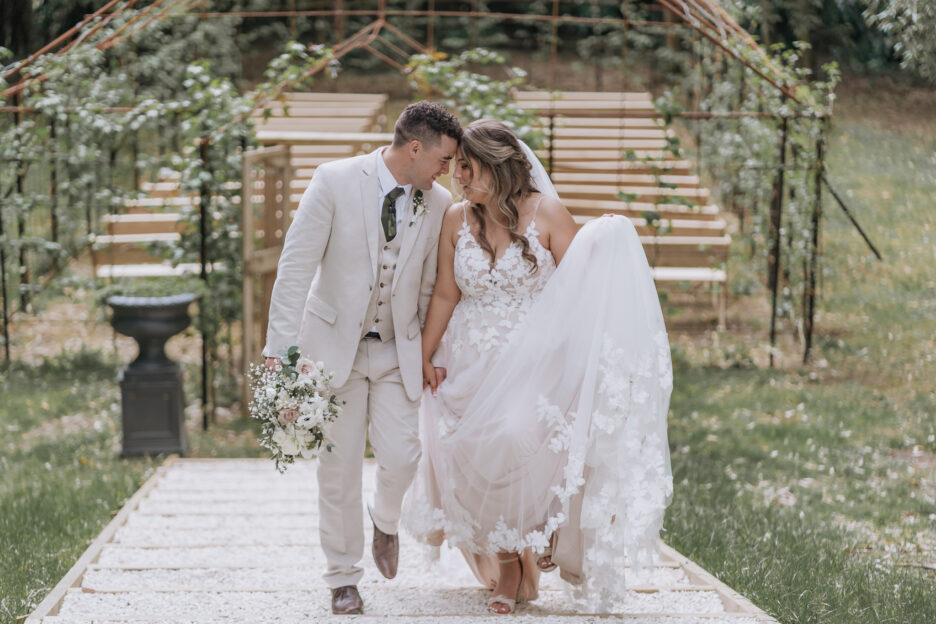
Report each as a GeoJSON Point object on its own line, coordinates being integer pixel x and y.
{"type": "Point", "coordinates": [497, 151]}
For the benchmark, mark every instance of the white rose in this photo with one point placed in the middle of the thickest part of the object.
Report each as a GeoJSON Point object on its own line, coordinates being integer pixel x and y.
{"type": "Point", "coordinates": [270, 393]}
{"type": "Point", "coordinates": [317, 402]}
{"type": "Point", "coordinates": [287, 443]}
{"type": "Point", "coordinates": [279, 436]}
{"type": "Point", "coordinates": [291, 447]}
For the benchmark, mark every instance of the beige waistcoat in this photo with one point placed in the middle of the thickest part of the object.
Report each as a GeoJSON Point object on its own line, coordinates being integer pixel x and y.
{"type": "Point", "coordinates": [379, 311]}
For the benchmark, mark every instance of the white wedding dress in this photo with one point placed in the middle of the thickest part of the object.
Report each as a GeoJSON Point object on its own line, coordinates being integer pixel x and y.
{"type": "Point", "coordinates": [552, 417]}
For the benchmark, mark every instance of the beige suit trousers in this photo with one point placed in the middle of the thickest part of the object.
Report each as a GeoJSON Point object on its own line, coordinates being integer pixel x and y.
{"type": "Point", "coordinates": [374, 392]}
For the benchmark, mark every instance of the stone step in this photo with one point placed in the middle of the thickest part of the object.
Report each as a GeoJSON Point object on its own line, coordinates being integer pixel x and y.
{"type": "Point", "coordinates": [181, 521]}
{"type": "Point", "coordinates": [255, 535]}
{"type": "Point", "coordinates": [281, 578]}
{"type": "Point", "coordinates": [390, 601]}
{"type": "Point", "coordinates": [279, 493]}
{"type": "Point", "coordinates": [212, 557]}
{"type": "Point", "coordinates": [299, 505]}
{"type": "Point", "coordinates": [517, 618]}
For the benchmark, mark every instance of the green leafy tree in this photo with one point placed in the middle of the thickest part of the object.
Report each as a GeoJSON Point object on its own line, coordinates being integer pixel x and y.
{"type": "Point", "coordinates": [911, 27]}
{"type": "Point", "coordinates": [471, 95]}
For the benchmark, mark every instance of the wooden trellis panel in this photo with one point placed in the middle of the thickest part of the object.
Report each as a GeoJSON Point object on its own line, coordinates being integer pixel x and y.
{"type": "Point", "coordinates": [265, 202]}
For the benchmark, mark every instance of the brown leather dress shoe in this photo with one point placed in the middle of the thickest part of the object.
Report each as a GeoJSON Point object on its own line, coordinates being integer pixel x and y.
{"type": "Point", "coordinates": [346, 600]}
{"type": "Point", "coordinates": [386, 549]}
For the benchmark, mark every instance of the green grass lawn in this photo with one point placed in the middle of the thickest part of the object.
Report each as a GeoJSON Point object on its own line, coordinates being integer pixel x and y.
{"type": "Point", "coordinates": [62, 478]}
{"type": "Point", "coordinates": [812, 490]}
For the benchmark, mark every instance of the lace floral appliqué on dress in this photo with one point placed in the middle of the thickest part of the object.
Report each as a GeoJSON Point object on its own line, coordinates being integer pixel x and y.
{"type": "Point", "coordinates": [495, 299]}
{"type": "Point", "coordinates": [553, 413]}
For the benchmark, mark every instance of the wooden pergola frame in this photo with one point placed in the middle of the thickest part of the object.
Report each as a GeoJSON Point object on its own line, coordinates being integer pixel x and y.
{"type": "Point", "coordinates": [706, 17]}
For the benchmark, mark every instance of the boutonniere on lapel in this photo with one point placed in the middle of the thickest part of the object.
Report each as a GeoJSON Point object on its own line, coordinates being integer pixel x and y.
{"type": "Point", "coordinates": [419, 206]}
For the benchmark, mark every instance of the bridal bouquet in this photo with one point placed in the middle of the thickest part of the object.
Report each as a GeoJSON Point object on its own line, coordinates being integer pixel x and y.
{"type": "Point", "coordinates": [293, 405]}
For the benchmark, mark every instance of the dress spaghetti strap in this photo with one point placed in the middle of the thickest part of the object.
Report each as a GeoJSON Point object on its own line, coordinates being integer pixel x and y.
{"type": "Point", "coordinates": [535, 210]}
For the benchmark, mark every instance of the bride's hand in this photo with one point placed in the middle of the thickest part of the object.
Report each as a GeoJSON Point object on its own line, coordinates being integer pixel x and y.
{"type": "Point", "coordinates": [432, 376]}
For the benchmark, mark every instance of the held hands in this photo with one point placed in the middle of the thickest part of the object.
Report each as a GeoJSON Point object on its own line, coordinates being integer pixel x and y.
{"type": "Point", "coordinates": [273, 364]}
{"type": "Point", "coordinates": [432, 376]}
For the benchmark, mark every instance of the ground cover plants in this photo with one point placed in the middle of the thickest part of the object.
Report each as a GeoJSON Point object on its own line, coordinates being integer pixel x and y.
{"type": "Point", "coordinates": [812, 490]}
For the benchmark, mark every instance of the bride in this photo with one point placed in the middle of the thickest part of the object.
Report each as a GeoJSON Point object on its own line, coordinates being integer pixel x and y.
{"type": "Point", "coordinates": [544, 426]}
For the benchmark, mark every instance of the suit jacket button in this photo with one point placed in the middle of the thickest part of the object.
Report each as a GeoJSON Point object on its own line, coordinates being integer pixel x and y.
{"type": "Point", "coordinates": [381, 284]}
{"type": "Point", "coordinates": [376, 320]}
{"type": "Point", "coordinates": [380, 303]}
{"type": "Point", "coordinates": [385, 266]}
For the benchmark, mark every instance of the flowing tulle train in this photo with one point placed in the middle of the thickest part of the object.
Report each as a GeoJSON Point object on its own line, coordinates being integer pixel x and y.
{"type": "Point", "coordinates": [561, 429]}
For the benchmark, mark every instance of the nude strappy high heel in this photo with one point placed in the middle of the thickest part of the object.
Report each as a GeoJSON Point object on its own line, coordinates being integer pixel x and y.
{"type": "Point", "coordinates": [510, 603]}
{"type": "Point", "coordinates": [547, 552]}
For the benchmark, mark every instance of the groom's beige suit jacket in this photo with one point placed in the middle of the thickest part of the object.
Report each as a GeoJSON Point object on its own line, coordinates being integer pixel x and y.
{"type": "Point", "coordinates": [328, 269]}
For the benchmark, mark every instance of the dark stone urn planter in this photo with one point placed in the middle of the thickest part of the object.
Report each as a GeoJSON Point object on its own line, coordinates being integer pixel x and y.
{"type": "Point", "coordinates": [151, 385]}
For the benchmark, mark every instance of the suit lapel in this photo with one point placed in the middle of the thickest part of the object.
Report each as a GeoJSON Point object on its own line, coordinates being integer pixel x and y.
{"type": "Point", "coordinates": [369, 200]}
{"type": "Point", "coordinates": [410, 236]}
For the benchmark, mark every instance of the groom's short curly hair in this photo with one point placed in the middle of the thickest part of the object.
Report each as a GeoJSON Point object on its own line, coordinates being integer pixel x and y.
{"type": "Point", "coordinates": [427, 122]}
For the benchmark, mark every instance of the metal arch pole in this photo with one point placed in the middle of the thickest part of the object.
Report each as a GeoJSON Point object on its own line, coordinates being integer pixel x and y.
{"type": "Point", "coordinates": [776, 220]}
{"type": "Point", "coordinates": [3, 293]}
{"type": "Point", "coordinates": [809, 316]}
{"type": "Point", "coordinates": [851, 218]}
{"type": "Point", "coordinates": [554, 46]}
{"type": "Point", "coordinates": [204, 199]}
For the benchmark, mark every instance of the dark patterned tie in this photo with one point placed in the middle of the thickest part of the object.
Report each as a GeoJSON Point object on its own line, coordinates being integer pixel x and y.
{"type": "Point", "coordinates": [388, 213]}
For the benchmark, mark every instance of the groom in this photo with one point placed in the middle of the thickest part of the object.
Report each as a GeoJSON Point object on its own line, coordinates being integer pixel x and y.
{"type": "Point", "coordinates": [352, 288]}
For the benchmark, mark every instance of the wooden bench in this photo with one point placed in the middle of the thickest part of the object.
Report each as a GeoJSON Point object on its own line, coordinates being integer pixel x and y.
{"type": "Point", "coordinates": [317, 126]}
{"type": "Point", "coordinates": [610, 143]}
{"type": "Point", "coordinates": [624, 179]}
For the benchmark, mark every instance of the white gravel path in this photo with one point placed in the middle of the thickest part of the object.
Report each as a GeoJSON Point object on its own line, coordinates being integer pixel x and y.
{"type": "Point", "coordinates": [518, 618]}
{"type": "Point", "coordinates": [234, 541]}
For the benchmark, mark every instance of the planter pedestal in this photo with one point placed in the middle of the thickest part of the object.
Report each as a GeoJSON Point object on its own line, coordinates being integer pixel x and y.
{"type": "Point", "coordinates": [151, 386]}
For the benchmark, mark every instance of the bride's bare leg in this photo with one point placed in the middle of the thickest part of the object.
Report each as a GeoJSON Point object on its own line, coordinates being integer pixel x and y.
{"type": "Point", "coordinates": [507, 590]}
